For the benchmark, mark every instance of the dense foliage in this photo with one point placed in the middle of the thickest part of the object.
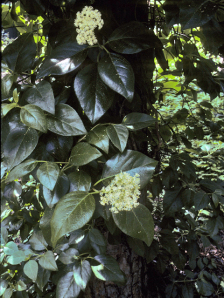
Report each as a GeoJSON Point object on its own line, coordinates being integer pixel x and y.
{"type": "Point", "coordinates": [146, 98]}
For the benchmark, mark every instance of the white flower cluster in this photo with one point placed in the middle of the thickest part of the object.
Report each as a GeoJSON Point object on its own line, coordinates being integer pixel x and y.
{"type": "Point", "coordinates": [122, 193]}
{"type": "Point", "coordinates": [86, 21]}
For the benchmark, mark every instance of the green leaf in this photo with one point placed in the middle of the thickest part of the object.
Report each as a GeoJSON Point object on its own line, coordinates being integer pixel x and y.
{"type": "Point", "coordinates": [172, 201]}
{"type": "Point", "coordinates": [41, 95]}
{"type": "Point", "coordinates": [204, 288]}
{"type": "Point", "coordinates": [168, 241]}
{"type": "Point", "coordinates": [42, 277]}
{"type": "Point", "coordinates": [97, 241]}
{"type": "Point", "coordinates": [72, 212]}
{"type": "Point", "coordinates": [64, 58]}
{"type": "Point", "coordinates": [117, 73]}
{"type": "Point", "coordinates": [20, 54]}
{"type": "Point", "coordinates": [108, 270]}
{"type": "Point", "coordinates": [131, 162]}
{"type": "Point", "coordinates": [6, 92]}
{"type": "Point", "coordinates": [192, 16]}
{"type": "Point", "coordinates": [79, 180]}
{"type": "Point", "coordinates": [65, 122]}
{"type": "Point", "coordinates": [10, 248]}
{"type": "Point", "coordinates": [82, 273]}
{"type": "Point", "coordinates": [60, 189]}
{"type": "Point", "coordinates": [69, 256]}
{"type": "Point", "coordinates": [118, 135]}
{"type": "Point", "coordinates": [19, 144]}
{"type": "Point", "coordinates": [94, 96]}
{"type": "Point", "coordinates": [187, 291]}
{"type": "Point", "coordinates": [3, 286]}
{"type": "Point", "coordinates": [135, 121]}
{"type": "Point", "coordinates": [137, 246]}
{"type": "Point", "coordinates": [45, 224]}
{"type": "Point", "coordinates": [213, 225]}
{"type": "Point", "coordinates": [137, 223]}
{"type": "Point", "coordinates": [37, 241]}
{"type": "Point", "coordinates": [31, 269]}
{"type": "Point", "coordinates": [21, 170]}
{"type": "Point", "coordinates": [16, 258]}
{"type": "Point", "coordinates": [8, 293]}
{"type": "Point", "coordinates": [48, 174]}
{"type": "Point", "coordinates": [132, 38]}
{"type": "Point", "coordinates": [59, 146]}
{"type": "Point", "coordinates": [34, 117]}
{"type": "Point", "coordinates": [201, 200]}
{"type": "Point", "coordinates": [98, 137]}
{"type": "Point", "coordinates": [4, 236]}
{"type": "Point", "coordinates": [21, 286]}
{"type": "Point", "coordinates": [83, 153]}
{"type": "Point", "coordinates": [67, 287]}
{"type": "Point", "coordinates": [7, 107]}
{"type": "Point", "coordinates": [47, 261]}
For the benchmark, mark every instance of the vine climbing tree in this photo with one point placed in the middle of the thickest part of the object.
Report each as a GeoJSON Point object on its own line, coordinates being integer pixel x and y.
{"type": "Point", "coordinates": [112, 148]}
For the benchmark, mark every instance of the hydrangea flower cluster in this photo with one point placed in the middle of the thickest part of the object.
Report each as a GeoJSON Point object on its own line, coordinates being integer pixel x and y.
{"type": "Point", "coordinates": [122, 193]}
{"type": "Point", "coordinates": [86, 21]}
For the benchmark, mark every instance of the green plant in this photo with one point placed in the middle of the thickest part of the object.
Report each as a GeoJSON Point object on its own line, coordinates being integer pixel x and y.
{"type": "Point", "coordinates": [76, 115]}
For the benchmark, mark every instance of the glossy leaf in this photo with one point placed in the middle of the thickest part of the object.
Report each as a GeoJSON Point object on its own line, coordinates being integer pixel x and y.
{"type": "Point", "coordinates": [68, 256]}
{"type": "Point", "coordinates": [137, 223]}
{"type": "Point", "coordinates": [10, 248]}
{"type": "Point", "coordinates": [132, 38]}
{"type": "Point", "coordinates": [20, 54]}
{"type": "Point", "coordinates": [94, 96]}
{"type": "Point", "coordinates": [79, 180]}
{"type": "Point", "coordinates": [42, 277]}
{"type": "Point", "coordinates": [19, 144]}
{"type": "Point", "coordinates": [31, 269]}
{"type": "Point", "coordinates": [34, 117]}
{"type": "Point", "coordinates": [60, 189]}
{"type": "Point", "coordinates": [45, 224]}
{"type": "Point", "coordinates": [37, 241]}
{"type": "Point", "coordinates": [72, 212]}
{"type": "Point", "coordinates": [131, 162]}
{"type": "Point", "coordinates": [108, 270]}
{"type": "Point", "coordinates": [135, 121]}
{"type": "Point", "coordinates": [59, 146]}
{"type": "Point", "coordinates": [67, 287]}
{"type": "Point", "coordinates": [98, 137]}
{"type": "Point", "coordinates": [65, 122]}
{"type": "Point", "coordinates": [41, 95]}
{"type": "Point", "coordinates": [83, 153]}
{"type": "Point", "coordinates": [21, 170]}
{"type": "Point", "coordinates": [64, 58]}
{"type": "Point", "coordinates": [16, 258]}
{"type": "Point", "coordinates": [47, 261]}
{"type": "Point", "coordinates": [97, 241]}
{"type": "Point", "coordinates": [7, 107]}
{"type": "Point", "coordinates": [118, 134]}
{"type": "Point", "coordinates": [117, 73]}
{"type": "Point", "coordinates": [6, 85]}
{"type": "Point", "coordinates": [82, 273]}
{"type": "Point", "coordinates": [3, 286]}
{"type": "Point", "coordinates": [48, 174]}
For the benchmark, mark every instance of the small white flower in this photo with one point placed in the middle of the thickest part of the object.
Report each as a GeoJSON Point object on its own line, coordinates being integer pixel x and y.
{"type": "Point", "coordinates": [122, 193]}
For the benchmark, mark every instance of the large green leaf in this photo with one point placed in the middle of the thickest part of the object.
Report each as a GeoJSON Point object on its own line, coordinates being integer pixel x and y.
{"type": "Point", "coordinates": [47, 261]}
{"type": "Point", "coordinates": [65, 122]}
{"type": "Point", "coordinates": [82, 273]}
{"type": "Point", "coordinates": [45, 225]}
{"type": "Point", "coordinates": [204, 288]}
{"type": "Point", "coordinates": [42, 277]}
{"type": "Point", "coordinates": [20, 54]}
{"type": "Point", "coordinates": [10, 248]}
{"type": "Point", "coordinates": [37, 241]}
{"type": "Point", "coordinates": [98, 137]}
{"type": "Point", "coordinates": [94, 96]}
{"type": "Point", "coordinates": [72, 212]}
{"type": "Point", "coordinates": [137, 223]}
{"type": "Point", "coordinates": [131, 162]}
{"type": "Point", "coordinates": [108, 270]}
{"type": "Point", "coordinates": [201, 200]}
{"type": "Point", "coordinates": [6, 107]}
{"type": "Point", "coordinates": [21, 170]}
{"type": "Point", "coordinates": [34, 117]}
{"type": "Point", "coordinates": [59, 146]}
{"type": "Point", "coordinates": [192, 16]}
{"type": "Point", "coordinates": [118, 134]}
{"type": "Point", "coordinates": [16, 258]}
{"type": "Point", "coordinates": [135, 121]}
{"type": "Point", "coordinates": [41, 95]}
{"type": "Point", "coordinates": [117, 73]}
{"type": "Point", "coordinates": [60, 189]}
{"type": "Point", "coordinates": [6, 85]}
{"type": "Point", "coordinates": [79, 180]}
{"type": "Point", "coordinates": [97, 241]}
{"type": "Point", "coordinates": [64, 58]}
{"type": "Point", "coordinates": [132, 38]}
{"type": "Point", "coordinates": [67, 287]}
{"type": "Point", "coordinates": [31, 269]}
{"type": "Point", "coordinates": [19, 144]}
{"type": "Point", "coordinates": [172, 201]}
{"type": "Point", "coordinates": [83, 153]}
{"type": "Point", "coordinates": [48, 174]}
{"type": "Point", "coordinates": [69, 256]}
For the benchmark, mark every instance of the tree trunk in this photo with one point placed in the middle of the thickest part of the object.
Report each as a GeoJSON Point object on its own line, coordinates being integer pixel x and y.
{"type": "Point", "coordinates": [138, 273]}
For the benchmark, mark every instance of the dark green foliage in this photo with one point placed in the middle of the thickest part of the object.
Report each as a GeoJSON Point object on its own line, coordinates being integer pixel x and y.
{"type": "Point", "coordinates": [74, 116]}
